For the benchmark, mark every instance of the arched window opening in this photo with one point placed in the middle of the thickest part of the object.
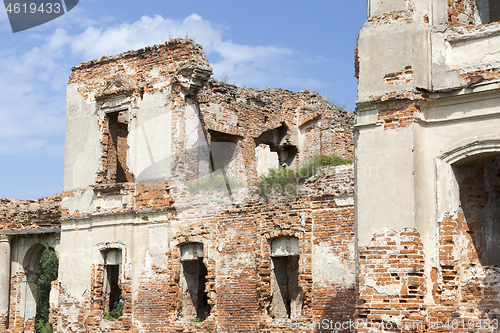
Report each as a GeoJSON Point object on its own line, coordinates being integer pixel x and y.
{"type": "Point", "coordinates": [195, 305]}
{"type": "Point", "coordinates": [47, 277]}
{"type": "Point", "coordinates": [287, 296]}
{"type": "Point", "coordinates": [479, 186]}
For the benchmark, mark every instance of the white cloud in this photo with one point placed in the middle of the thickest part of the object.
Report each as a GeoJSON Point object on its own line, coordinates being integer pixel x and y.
{"type": "Point", "coordinates": [33, 82]}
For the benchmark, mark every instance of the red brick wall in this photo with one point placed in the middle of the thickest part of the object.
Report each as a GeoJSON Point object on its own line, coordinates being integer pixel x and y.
{"type": "Point", "coordinates": [30, 214]}
{"type": "Point", "coordinates": [396, 116]}
{"type": "Point", "coordinates": [258, 111]}
{"type": "Point", "coordinates": [237, 257]}
{"type": "Point", "coordinates": [392, 283]}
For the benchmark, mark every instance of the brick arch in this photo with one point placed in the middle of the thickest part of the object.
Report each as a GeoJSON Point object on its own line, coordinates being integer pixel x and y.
{"type": "Point", "coordinates": [268, 235]}
{"type": "Point", "coordinates": [465, 279]}
{"type": "Point", "coordinates": [184, 239]}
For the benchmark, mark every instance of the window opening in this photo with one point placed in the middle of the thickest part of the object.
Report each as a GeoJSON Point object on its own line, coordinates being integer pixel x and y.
{"type": "Point", "coordinates": [112, 301]}
{"type": "Point", "coordinates": [195, 305]}
{"type": "Point", "coordinates": [223, 149]}
{"type": "Point", "coordinates": [278, 141]}
{"type": "Point", "coordinates": [287, 296]}
{"type": "Point", "coordinates": [489, 10]}
{"type": "Point", "coordinates": [117, 148]}
{"type": "Point", "coordinates": [479, 185]}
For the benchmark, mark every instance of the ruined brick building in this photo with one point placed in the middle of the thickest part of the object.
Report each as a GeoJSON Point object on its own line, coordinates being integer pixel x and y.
{"type": "Point", "coordinates": [406, 239]}
{"type": "Point", "coordinates": [142, 125]}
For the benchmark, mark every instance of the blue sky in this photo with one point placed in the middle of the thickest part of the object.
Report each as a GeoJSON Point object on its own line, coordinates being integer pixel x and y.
{"type": "Point", "coordinates": [288, 44]}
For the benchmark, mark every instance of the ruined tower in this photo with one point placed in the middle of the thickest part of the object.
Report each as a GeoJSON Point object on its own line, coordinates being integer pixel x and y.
{"type": "Point", "coordinates": [427, 162]}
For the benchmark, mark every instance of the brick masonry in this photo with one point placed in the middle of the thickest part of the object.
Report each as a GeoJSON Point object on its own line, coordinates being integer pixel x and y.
{"type": "Point", "coordinates": [236, 232]}
{"type": "Point", "coordinates": [396, 115]}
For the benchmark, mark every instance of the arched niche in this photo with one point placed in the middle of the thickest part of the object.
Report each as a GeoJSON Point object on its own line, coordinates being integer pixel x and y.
{"type": "Point", "coordinates": [468, 191]}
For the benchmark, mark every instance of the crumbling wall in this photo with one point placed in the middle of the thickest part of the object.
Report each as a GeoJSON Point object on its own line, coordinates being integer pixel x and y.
{"type": "Point", "coordinates": [30, 214]}
{"type": "Point", "coordinates": [392, 283]}
{"type": "Point", "coordinates": [295, 125]}
{"type": "Point", "coordinates": [466, 281]}
{"type": "Point", "coordinates": [236, 239]}
{"type": "Point", "coordinates": [149, 117]}
{"type": "Point", "coordinates": [473, 12]}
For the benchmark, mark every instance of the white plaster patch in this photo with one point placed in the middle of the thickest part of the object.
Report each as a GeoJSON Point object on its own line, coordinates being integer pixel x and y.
{"type": "Point", "coordinates": [192, 125]}
{"type": "Point", "coordinates": [389, 289]}
{"type": "Point", "coordinates": [398, 320]}
{"type": "Point", "coordinates": [460, 247]}
{"type": "Point", "coordinates": [147, 266]}
{"type": "Point", "coordinates": [472, 52]}
{"type": "Point", "coordinates": [157, 247]}
{"type": "Point", "coordinates": [240, 263]}
{"type": "Point", "coordinates": [328, 269]}
{"type": "Point", "coordinates": [155, 72]}
{"type": "Point", "coordinates": [230, 233]}
{"type": "Point", "coordinates": [266, 159]}
{"type": "Point", "coordinates": [344, 201]}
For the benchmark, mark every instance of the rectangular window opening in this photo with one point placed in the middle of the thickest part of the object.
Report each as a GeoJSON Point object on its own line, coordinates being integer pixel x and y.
{"type": "Point", "coordinates": [117, 148]}
{"type": "Point", "coordinates": [479, 186]}
{"type": "Point", "coordinates": [488, 10]}
{"type": "Point", "coordinates": [287, 295]}
{"type": "Point", "coordinates": [112, 289]}
{"type": "Point", "coordinates": [195, 305]}
{"type": "Point", "coordinates": [113, 302]}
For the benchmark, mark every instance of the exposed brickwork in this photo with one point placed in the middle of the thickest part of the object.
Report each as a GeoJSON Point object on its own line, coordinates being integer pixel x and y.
{"type": "Point", "coordinates": [237, 257]}
{"type": "Point", "coordinates": [15, 322]}
{"type": "Point", "coordinates": [30, 214]}
{"type": "Point", "coordinates": [465, 13]}
{"type": "Point", "coordinates": [152, 194]}
{"type": "Point", "coordinates": [404, 16]}
{"type": "Point", "coordinates": [461, 12]}
{"type": "Point", "coordinates": [356, 59]}
{"type": "Point", "coordinates": [169, 55]}
{"type": "Point", "coordinates": [236, 231]}
{"type": "Point", "coordinates": [465, 284]}
{"type": "Point", "coordinates": [391, 283]}
{"type": "Point", "coordinates": [396, 115]}
{"type": "Point", "coordinates": [249, 113]}
{"type": "Point", "coordinates": [399, 78]}
{"type": "Point", "coordinates": [113, 164]}
{"type": "Point", "coordinates": [479, 76]}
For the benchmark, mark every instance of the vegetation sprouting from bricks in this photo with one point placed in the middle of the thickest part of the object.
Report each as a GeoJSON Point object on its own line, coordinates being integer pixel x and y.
{"type": "Point", "coordinates": [286, 181]}
{"type": "Point", "coordinates": [211, 182]}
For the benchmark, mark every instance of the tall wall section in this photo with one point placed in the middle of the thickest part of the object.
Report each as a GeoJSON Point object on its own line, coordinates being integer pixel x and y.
{"type": "Point", "coordinates": [426, 141]}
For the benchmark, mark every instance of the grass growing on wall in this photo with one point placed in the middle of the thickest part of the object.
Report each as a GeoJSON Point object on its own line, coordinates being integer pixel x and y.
{"type": "Point", "coordinates": [287, 181]}
{"type": "Point", "coordinates": [211, 182]}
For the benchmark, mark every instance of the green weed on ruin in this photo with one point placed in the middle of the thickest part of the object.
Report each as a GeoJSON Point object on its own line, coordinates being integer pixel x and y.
{"type": "Point", "coordinates": [286, 182]}
{"type": "Point", "coordinates": [212, 182]}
